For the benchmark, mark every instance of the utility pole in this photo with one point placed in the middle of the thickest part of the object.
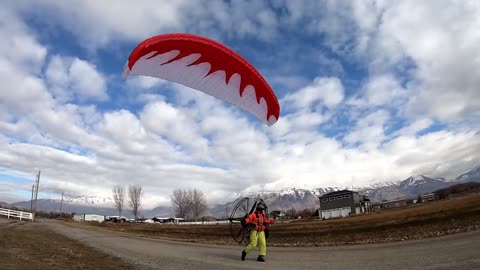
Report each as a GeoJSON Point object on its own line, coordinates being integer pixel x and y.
{"type": "Point", "coordinates": [36, 195]}
{"type": "Point", "coordinates": [61, 204]}
{"type": "Point", "coordinates": [31, 200]}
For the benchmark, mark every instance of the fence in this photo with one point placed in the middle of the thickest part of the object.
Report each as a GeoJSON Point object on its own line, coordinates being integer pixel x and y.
{"type": "Point", "coordinates": [16, 214]}
{"type": "Point", "coordinates": [204, 222]}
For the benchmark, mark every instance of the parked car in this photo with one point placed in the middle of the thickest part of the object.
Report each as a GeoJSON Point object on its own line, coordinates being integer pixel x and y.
{"type": "Point", "coordinates": [119, 219]}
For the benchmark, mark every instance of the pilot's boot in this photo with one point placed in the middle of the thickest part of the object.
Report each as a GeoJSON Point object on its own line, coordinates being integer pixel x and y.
{"type": "Point", "coordinates": [243, 255]}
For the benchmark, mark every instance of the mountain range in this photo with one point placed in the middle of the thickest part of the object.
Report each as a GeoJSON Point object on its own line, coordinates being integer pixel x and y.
{"type": "Point", "coordinates": [295, 198]}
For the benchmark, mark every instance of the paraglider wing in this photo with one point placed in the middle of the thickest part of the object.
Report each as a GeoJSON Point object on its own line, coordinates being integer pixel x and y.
{"type": "Point", "coordinates": [208, 66]}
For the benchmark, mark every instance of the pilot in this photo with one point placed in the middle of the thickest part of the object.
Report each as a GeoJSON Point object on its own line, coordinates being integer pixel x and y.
{"type": "Point", "coordinates": [258, 223]}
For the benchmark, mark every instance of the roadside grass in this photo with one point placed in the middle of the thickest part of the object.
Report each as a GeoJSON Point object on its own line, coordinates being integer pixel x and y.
{"type": "Point", "coordinates": [398, 224]}
{"type": "Point", "coordinates": [24, 245]}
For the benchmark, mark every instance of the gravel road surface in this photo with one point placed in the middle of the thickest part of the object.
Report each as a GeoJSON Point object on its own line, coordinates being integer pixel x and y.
{"type": "Point", "coordinates": [458, 251]}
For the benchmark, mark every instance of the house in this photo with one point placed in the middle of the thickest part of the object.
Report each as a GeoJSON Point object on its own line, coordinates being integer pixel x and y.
{"type": "Point", "coordinates": [278, 214]}
{"type": "Point", "coordinates": [343, 203]}
{"type": "Point", "coordinates": [162, 219]}
{"type": "Point", "coordinates": [376, 206]}
{"type": "Point", "coordinates": [428, 197]}
{"type": "Point", "coordinates": [395, 203]}
{"type": "Point", "coordinates": [167, 220]}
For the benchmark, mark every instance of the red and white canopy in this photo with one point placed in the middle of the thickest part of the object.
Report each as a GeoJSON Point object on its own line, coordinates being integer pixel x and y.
{"type": "Point", "coordinates": [208, 66]}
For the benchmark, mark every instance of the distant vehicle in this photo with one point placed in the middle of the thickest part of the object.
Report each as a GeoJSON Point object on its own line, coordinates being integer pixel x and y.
{"type": "Point", "coordinates": [117, 219]}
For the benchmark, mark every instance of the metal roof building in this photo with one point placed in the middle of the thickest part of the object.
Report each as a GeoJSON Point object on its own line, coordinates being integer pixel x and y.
{"type": "Point", "coordinates": [343, 203]}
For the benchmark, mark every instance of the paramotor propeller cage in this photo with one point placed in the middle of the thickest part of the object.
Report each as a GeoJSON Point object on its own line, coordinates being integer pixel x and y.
{"type": "Point", "coordinates": [239, 232]}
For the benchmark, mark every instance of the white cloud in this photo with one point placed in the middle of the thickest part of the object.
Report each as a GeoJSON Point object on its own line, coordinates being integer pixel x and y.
{"type": "Point", "coordinates": [381, 90]}
{"type": "Point", "coordinates": [22, 93]}
{"type": "Point", "coordinates": [177, 125]}
{"type": "Point", "coordinates": [145, 82]}
{"type": "Point", "coordinates": [370, 129]}
{"type": "Point", "coordinates": [441, 153]}
{"type": "Point", "coordinates": [57, 75]}
{"type": "Point", "coordinates": [328, 91]}
{"type": "Point", "coordinates": [98, 23]}
{"type": "Point", "coordinates": [430, 45]}
{"type": "Point", "coordinates": [441, 39]}
{"type": "Point", "coordinates": [307, 108]}
{"type": "Point", "coordinates": [21, 58]}
{"type": "Point", "coordinates": [9, 197]}
{"type": "Point", "coordinates": [69, 78]}
{"type": "Point", "coordinates": [290, 82]}
{"type": "Point", "coordinates": [31, 113]}
{"type": "Point", "coordinates": [300, 124]}
{"type": "Point", "coordinates": [183, 138]}
{"type": "Point", "coordinates": [86, 80]}
{"type": "Point", "coordinates": [415, 127]}
{"type": "Point", "coordinates": [19, 47]}
{"type": "Point", "coordinates": [125, 130]}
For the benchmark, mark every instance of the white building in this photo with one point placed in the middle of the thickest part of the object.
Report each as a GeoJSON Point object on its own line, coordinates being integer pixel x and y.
{"type": "Point", "coordinates": [89, 217]}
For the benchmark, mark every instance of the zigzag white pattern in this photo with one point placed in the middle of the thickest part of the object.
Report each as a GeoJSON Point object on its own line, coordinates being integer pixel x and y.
{"type": "Point", "coordinates": [195, 76]}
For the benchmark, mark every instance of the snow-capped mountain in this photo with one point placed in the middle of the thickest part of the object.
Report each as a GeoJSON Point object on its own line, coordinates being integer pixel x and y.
{"type": "Point", "coordinates": [473, 175]}
{"type": "Point", "coordinates": [392, 190]}
{"type": "Point", "coordinates": [285, 199]}
{"type": "Point", "coordinates": [289, 198]}
{"type": "Point", "coordinates": [320, 191]}
{"type": "Point", "coordinates": [53, 205]}
{"type": "Point", "coordinates": [420, 184]}
{"type": "Point", "coordinates": [159, 211]}
{"type": "Point", "coordinates": [415, 180]}
{"type": "Point", "coordinates": [383, 193]}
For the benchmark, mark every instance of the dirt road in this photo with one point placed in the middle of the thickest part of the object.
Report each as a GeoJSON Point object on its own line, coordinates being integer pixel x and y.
{"type": "Point", "coordinates": [458, 251]}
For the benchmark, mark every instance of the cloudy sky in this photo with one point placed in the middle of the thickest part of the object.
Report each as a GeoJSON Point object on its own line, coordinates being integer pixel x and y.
{"type": "Point", "coordinates": [370, 91]}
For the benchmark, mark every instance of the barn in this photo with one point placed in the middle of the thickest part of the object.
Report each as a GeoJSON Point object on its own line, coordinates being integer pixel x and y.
{"type": "Point", "coordinates": [343, 203]}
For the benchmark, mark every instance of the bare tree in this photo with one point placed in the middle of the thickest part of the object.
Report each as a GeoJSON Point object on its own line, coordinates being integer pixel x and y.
{"type": "Point", "coordinates": [199, 204]}
{"type": "Point", "coordinates": [226, 212]}
{"type": "Point", "coordinates": [119, 197]}
{"type": "Point", "coordinates": [135, 196]}
{"type": "Point", "coordinates": [291, 212]}
{"type": "Point", "coordinates": [306, 213]}
{"type": "Point", "coordinates": [182, 202]}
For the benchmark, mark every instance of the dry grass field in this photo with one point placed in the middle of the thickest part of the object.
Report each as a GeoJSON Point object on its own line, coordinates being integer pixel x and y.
{"type": "Point", "coordinates": [414, 222]}
{"type": "Point", "coordinates": [24, 245]}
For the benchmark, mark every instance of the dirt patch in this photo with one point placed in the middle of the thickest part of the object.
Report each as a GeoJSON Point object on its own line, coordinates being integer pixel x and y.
{"type": "Point", "coordinates": [416, 222]}
{"type": "Point", "coordinates": [27, 245]}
